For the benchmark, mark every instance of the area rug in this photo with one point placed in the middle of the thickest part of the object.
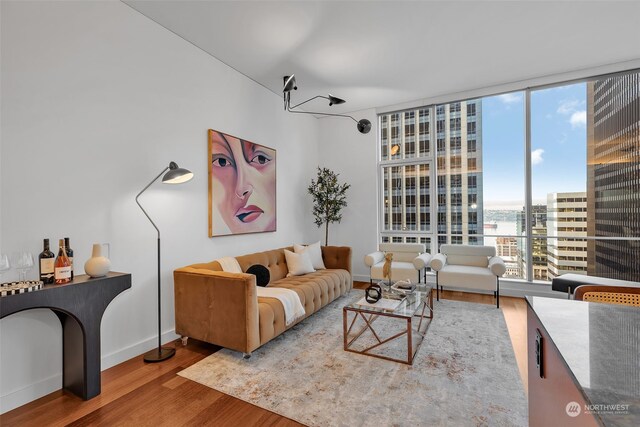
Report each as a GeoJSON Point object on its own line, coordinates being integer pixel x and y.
{"type": "Point", "coordinates": [464, 374]}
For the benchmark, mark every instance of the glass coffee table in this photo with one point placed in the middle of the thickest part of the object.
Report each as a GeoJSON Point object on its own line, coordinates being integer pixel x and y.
{"type": "Point", "coordinates": [383, 327]}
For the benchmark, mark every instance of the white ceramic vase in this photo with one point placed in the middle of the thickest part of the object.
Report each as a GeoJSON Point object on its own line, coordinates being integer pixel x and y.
{"type": "Point", "coordinates": [97, 265]}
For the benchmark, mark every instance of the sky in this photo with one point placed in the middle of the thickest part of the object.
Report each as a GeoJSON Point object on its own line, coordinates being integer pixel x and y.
{"type": "Point", "coordinates": [558, 145]}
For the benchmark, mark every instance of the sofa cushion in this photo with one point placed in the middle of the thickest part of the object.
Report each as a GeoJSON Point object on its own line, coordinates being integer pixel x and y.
{"type": "Point", "coordinates": [317, 289]}
{"type": "Point", "coordinates": [403, 252]}
{"type": "Point", "coordinates": [298, 264]}
{"type": "Point", "coordinates": [468, 254]}
{"type": "Point", "coordinates": [399, 271]}
{"type": "Point", "coordinates": [315, 253]}
{"type": "Point", "coordinates": [467, 276]}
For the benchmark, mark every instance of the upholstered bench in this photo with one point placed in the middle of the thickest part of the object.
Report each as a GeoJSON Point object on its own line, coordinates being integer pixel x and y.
{"type": "Point", "coordinates": [468, 266]}
{"type": "Point", "coordinates": [569, 282]}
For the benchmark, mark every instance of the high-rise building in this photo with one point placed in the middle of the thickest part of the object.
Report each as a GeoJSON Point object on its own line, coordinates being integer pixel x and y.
{"type": "Point", "coordinates": [507, 249]}
{"type": "Point", "coordinates": [613, 176]}
{"type": "Point", "coordinates": [538, 245]}
{"type": "Point", "coordinates": [406, 137]}
{"type": "Point", "coordinates": [539, 250]}
{"type": "Point", "coordinates": [459, 171]}
{"type": "Point", "coordinates": [538, 218]}
{"type": "Point", "coordinates": [566, 228]}
{"type": "Point", "coordinates": [428, 146]}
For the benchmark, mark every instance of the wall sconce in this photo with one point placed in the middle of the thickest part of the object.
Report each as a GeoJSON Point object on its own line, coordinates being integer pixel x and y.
{"type": "Point", "coordinates": [363, 125]}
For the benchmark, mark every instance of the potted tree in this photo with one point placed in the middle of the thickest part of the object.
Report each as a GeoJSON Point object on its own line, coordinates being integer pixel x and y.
{"type": "Point", "coordinates": [329, 198]}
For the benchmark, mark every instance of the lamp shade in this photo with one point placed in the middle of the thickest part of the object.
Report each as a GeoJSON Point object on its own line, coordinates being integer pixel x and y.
{"type": "Point", "coordinates": [364, 126]}
{"type": "Point", "coordinates": [334, 100]}
{"type": "Point", "coordinates": [176, 175]}
{"type": "Point", "coordinates": [289, 83]}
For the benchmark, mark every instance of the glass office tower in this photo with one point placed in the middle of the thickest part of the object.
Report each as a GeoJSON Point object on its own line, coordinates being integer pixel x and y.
{"type": "Point", "coordinates": [613, 176]}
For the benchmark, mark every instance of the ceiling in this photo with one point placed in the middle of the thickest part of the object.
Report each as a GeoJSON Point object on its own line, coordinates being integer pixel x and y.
{"type": "Point", "coordinates": [387, 52]}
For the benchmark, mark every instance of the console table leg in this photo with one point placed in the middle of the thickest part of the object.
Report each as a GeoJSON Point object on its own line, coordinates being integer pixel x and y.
{"type": "Point", "coordinates": [80, 357]}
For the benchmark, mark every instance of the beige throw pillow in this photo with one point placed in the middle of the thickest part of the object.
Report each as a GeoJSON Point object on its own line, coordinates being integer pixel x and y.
{"type": "Point", "coordinates": [298, 264]}
{"type": "Point", "coordinates": [315, 253]}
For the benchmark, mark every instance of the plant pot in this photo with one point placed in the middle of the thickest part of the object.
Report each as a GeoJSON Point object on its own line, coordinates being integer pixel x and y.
{"type": "Point", "coordinates": [97, 265]}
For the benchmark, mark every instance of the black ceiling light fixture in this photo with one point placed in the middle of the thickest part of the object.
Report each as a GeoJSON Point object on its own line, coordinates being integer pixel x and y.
{"type": "Point", "coordinates": [363, 125]}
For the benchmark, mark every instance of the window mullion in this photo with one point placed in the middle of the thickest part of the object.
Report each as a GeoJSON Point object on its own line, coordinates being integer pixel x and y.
{"type": "Point", "coordinates": [528, 191]}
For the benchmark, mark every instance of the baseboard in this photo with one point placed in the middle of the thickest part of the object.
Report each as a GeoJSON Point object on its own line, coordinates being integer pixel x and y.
{"type": "Point", "coordinates": [36, 390]}
{"type": "Point", "coordinates": [33, 391]}
{"type": "Point", "coordinates": [508, 288]}
{"type": "Point", "coordinates": [137, 349]}
{"type": "Point", "coordinates": [506, 291]}
{"type": "Point", "coordinates": [360, 278]}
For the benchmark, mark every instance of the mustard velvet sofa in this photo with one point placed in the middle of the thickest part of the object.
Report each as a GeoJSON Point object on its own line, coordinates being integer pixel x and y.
{"type": "Point", "coordinates": [223, 308]}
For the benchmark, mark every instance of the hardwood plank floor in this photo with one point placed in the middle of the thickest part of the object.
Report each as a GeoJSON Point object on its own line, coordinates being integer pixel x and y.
{"type": "Point", "coordinates": [140, 394]}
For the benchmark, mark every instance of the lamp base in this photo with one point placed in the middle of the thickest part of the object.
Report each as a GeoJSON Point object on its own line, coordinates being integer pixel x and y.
{"type": "Point", "coordinates": [159, 354]}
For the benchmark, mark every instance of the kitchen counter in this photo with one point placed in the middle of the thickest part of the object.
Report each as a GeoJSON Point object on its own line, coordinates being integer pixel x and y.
{"type": "Point", "coordinates": [599, 344]}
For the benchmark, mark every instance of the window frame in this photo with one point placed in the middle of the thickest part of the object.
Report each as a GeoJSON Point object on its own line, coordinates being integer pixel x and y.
{"type": "Point", "coordinates": [437, 113]}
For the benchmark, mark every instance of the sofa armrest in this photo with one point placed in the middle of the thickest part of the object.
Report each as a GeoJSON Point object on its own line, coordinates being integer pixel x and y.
{"type": "Point", "coordinates": [497, 266]}
{"type": "Point", "coordinates": [338, 257]}
{"type": "Point", "coordinates": [422, 261]}
{"type": "Point", "coordinates": [438, 261]}
{"type": "Point", "coordinates": [217, 307]}
{"type": "Point", "coordinates": [373, 258]}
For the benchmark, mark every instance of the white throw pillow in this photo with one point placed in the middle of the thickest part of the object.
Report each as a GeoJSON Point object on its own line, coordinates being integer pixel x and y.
{"type": "Point", "coordinates": [298, 264]}
{"type": "Point", "coordinates": [315, 253]}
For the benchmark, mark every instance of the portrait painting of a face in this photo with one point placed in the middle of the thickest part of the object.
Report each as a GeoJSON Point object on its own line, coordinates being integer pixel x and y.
{"type": "Point", "coordinates": [242, 186]}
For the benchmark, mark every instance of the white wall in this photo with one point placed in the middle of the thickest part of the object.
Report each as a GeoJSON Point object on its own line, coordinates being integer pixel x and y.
{"type": "Point", "coordinates": [353, 155]}
{"type": "Point", "coordinates": [96, 100]}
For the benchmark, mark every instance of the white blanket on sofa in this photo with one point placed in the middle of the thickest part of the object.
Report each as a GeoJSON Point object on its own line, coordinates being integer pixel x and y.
{"type": "Point", "coordinates": [229, 264]}
{"type": "Point", "coordinates": [293, 309]}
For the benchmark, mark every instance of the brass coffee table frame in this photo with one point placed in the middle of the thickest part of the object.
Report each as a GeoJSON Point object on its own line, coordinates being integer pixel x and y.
{"type": "Point", "coordinates": [370, 315]}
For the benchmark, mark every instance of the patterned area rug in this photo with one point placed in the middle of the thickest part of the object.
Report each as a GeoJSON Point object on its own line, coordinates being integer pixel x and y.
{"type": "Point", "coordinates": [464, 374]}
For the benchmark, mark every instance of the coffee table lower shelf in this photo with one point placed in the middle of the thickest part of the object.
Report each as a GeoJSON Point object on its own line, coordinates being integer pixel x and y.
{"type": "Point", "coordinates": [423, 313]}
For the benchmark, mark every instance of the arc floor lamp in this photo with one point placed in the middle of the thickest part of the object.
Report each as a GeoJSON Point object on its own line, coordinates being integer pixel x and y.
{"type": "Point", "coordinates": [363, 125]}
{"type": "Point", "coordinates": [173, 175]}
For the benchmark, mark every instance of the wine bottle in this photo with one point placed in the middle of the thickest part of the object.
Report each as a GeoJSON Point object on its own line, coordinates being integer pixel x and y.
{"type": "Point", "coordinates": [47, 260]}
{"type": "Point", "coordinates": [62, 271]}
{"type": "Point", "coordinates": [69, 254]}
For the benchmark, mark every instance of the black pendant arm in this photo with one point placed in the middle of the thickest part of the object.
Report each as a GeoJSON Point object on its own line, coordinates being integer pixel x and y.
{"type": "Point", "coordinates": [308, 100]}
{"type": "Point", "coordinates": [322, 114]}
{"type": "Point", "coordinates": [143, 190]}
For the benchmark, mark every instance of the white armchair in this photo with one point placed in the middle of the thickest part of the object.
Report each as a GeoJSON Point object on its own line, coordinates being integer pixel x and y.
{"type": "Point", "coordinates": [468, 266]}
{"type": "Point", "coordinates": [409, 261]}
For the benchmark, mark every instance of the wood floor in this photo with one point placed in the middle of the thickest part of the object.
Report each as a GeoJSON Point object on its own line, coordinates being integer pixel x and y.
{"type": "Point", "coordinates": [139, 394]}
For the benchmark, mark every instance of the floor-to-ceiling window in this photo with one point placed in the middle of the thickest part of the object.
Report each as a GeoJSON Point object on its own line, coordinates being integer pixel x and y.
{"type": "Point", "coordinates": [457, 173]}
{"type": "Point", "coordinates": [406, 174]}
{"type": "Point", "coordinates": [503, 157]}
{"type": "Point", "coordinates": [559, 178]}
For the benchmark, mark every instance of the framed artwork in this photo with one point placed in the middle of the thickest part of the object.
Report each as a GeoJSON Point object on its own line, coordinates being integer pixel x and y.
{"type": "Point", "coordinates": [242, 186]}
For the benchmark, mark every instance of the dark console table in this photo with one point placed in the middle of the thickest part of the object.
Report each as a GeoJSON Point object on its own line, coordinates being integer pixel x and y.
{"type": "Point", "coordinates": [79, 305]}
